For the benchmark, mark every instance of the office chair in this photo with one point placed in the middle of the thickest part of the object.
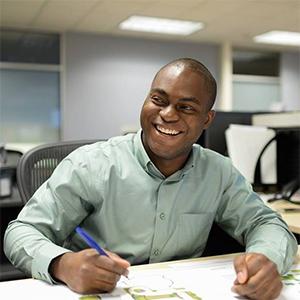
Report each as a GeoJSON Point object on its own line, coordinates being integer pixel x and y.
{"type": "Point", "coordinates": [37, 165]}
{"type": "Point", "coordinates": [32, 168]}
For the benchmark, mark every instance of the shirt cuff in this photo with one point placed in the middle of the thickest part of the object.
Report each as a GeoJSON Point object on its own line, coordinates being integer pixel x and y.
{"type": "Point", "coordinates": [41, 262]}
{"type": "Point", "coordinates": [283, 261]}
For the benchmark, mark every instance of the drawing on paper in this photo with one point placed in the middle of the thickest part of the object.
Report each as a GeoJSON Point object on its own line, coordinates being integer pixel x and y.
{"type": "Point", "coordinates": [138, 293]}
{"type": "Point", "coordinates": [292, 277]}
{"type": "Point", "coordinates": [89, 297]}
{"type": "Point", "coordinates": [157, 287]}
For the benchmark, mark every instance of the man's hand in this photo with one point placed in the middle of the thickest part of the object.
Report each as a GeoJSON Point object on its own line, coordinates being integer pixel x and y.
{"type": "Point", "coordinates": [88, 272]}
{"type": "Point", "coordinates": [256, 277]}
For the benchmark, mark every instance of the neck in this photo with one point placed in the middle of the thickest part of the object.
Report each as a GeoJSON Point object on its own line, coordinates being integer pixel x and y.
{"type": "Point", "coordinates": [169, 167]}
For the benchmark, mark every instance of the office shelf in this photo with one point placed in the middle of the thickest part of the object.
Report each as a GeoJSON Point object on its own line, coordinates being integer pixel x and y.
{"type": "Point", "coordinates": [13, 201]}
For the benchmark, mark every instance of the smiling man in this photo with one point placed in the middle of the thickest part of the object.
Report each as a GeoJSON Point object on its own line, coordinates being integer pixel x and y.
{"type": "Point", "coordinates": [150, 197]}
{"type": "Point", "coordinates": [175, 113]}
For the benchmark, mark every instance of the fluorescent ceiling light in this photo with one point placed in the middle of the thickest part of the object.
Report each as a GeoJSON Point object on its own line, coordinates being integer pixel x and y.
{"type": "Point", "coordinates": [279, 37]}
{"type": "Point", "coordinates": [160, 25]}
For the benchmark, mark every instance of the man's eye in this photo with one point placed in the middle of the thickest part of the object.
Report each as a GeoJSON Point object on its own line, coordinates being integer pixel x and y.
{"type": "Point", "coordinates": [157, 99]}
{"type": "Point", "coordinates": [187, 108]}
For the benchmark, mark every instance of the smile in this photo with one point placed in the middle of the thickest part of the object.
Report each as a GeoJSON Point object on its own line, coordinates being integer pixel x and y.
{"type": "Point", "coordinates": [167, 130]}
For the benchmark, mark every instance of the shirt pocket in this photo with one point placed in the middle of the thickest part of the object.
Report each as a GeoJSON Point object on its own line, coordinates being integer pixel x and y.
{"type": "Point", "coordinates": [192, 233]}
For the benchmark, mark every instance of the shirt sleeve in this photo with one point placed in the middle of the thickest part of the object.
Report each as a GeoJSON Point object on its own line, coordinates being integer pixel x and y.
{"type": "Point", "coordinates": [38, 234]}
{"type": "Point", "coordinates": [244, 216]}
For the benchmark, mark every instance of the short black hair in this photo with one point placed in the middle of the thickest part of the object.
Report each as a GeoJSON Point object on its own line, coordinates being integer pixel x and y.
{"type": "Point", "coordinates": [201, 69]}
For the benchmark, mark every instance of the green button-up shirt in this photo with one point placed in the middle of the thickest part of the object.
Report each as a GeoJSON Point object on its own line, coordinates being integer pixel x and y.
{"type": "Point", "coordinates": [114, 191]}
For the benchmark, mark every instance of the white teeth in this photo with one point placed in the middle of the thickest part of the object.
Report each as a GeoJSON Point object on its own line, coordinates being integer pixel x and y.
{"type": "Point", "coordinates": [167, 131]}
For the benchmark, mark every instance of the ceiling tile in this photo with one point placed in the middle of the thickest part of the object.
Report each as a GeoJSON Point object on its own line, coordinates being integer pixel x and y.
{"type": "Point", "coordinates": [63, 14]}
{"type": "Point", "coordinates": [236, 21]}
{"type": "Point", "coordinates": [108, 14]}
{"type": "Point", "coordinates": [18, 12]}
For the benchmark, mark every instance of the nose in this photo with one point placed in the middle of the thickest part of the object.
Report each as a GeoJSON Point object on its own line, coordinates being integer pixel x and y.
{"type": "Point", "coordinates": [169, 113]}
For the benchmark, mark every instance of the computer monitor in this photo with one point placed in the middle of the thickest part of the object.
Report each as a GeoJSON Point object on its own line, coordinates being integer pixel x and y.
{"type": "Point", "coordinates": [287, 128]}
{"type": "Point", "coordinates": [288, 141]}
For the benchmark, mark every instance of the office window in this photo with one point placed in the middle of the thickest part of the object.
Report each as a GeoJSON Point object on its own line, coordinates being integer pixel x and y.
{"type": "Point", "coordinates": [255, 63]}
{"type": "Point", "coordinates": [29, 47]}
{"type": "Point", "coordinates": [30, 88]}
{"type": "Point", "coordinates": [255, 93]}
{"type": "Point", "coordinates": [256, 82]}
{"type": "Point", "coordinates": [29, 106]}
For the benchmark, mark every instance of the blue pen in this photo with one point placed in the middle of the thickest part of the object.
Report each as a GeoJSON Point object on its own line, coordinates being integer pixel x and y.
{"type": "Point", "coordinates": [90, 241]}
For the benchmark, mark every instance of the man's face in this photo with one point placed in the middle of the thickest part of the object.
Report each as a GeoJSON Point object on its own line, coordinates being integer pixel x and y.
{"type": "Point", "coordinates": [174, 113]}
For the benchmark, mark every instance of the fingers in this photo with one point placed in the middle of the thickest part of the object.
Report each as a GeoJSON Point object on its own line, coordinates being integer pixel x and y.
{"type": "Point", "coordinates": [263, 281]}
{"type": "Point", "coordinates": [120, 261]}
{"type": "Point", "coordinates": [260, 286]}
{"type": "Point", "coordinates": [241, 269]}
{"type": "Point", "coordinates": [88, 272]}
{"type": "Point", "coordinates": [90, 278]}
{"type": "Point", "coordinates": [109, 270]}
{"type": "Point", "coordinates": [268, 292]}
{"type": "Point", "coordinates": [113, 264]}
{"type": "Point", "coordinates": [99, 288]}
{"type": "Point", "coordinates": [107, 276]}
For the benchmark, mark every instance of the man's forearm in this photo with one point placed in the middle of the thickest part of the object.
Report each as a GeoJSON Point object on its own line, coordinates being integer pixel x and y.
{"type": "Point", "coordinates": [58, 267]}
{"type": "Point", "coordinates": [276, 242]}
{"type": "Point", "coordinates": [29, 250]}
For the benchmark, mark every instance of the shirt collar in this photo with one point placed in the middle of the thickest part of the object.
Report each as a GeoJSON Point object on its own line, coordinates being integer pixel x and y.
{"type": "Point", "coordinates": [140, 151]}
{"type": "Point", "coordinates": [149, 166]}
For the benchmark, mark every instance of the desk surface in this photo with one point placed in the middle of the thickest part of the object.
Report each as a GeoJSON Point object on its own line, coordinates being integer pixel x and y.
{"type": "Point", "coordinates": [207, 258]}
{"type": "Point", "coordinates": [202, 271]}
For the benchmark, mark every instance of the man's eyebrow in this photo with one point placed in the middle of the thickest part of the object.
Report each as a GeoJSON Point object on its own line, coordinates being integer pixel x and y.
{"type": "Point", "coordinates": [165, 94]}
{"type": "Point", "coordinates": [160, 91]}
{"type": "Point", "coordinates": [190, 99]}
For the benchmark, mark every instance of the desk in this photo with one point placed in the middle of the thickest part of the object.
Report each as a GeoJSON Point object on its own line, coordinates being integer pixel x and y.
{"type": "Point", "coordinates": [35, 289]}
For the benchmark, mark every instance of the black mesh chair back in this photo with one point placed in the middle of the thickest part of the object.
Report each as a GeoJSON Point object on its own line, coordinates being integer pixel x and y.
{"type": "Point", "coordinates": [37, 165]}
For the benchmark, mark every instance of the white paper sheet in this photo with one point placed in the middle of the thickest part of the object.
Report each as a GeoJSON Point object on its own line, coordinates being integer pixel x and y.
{"type": "Point", "coordinates": [206, 280]}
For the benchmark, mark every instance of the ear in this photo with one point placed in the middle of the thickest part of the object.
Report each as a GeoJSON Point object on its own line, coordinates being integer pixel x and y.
{"type": "Point", "coordinates": [209, 118]}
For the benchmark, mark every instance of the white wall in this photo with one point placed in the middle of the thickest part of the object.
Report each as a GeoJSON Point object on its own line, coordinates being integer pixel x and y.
{"type": "Point", "coordinates": [108, 78]}
{"type": "Point", "coordinates": [290, 80]}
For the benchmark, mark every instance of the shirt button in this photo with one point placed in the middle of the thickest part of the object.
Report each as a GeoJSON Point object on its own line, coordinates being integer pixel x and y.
{"type": "Point", "coordinates": [162, 216]}
{"type": "Point", "coordinates": [156, 252]}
